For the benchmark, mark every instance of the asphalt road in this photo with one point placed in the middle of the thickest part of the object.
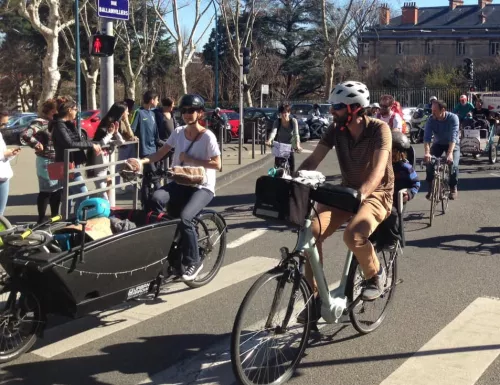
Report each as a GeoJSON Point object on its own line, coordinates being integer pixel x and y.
{"type": "Point", "coordinates": [443, 310]}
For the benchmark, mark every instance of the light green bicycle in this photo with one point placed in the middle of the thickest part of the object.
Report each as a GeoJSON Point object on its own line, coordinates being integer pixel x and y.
{"type": "Point", "coordinates": [267, 341]}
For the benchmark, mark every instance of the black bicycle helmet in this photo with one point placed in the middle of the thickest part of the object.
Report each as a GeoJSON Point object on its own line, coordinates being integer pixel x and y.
{"type": "Point", "coordinates": [191, 100]}
{"type": "Point", "coordinates": [400, 141]}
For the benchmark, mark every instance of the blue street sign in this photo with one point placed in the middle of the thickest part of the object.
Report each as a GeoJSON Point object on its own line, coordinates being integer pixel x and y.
{"type": "Point", "coordinates": [113, 9]}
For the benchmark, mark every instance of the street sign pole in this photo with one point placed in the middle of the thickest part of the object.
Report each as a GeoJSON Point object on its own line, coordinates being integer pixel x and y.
{"type": "Point", "coordinates": [107, 72]}
{"type": "Point", "coordinates": [77, 66]}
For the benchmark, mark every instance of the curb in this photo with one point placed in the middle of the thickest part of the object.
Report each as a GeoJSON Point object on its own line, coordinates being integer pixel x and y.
{"type": "Point", "coordinates": [231, 176]}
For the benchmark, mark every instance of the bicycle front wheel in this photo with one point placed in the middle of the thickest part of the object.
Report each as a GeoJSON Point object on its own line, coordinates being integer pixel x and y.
{"type": "Point", "coordinates": [267, 342]}
{"type": "Point", "coordinates": [434, 199]}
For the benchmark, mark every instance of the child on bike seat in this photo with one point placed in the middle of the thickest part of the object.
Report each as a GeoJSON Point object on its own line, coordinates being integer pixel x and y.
{"type": "Point", "coordinates": [405, 177]}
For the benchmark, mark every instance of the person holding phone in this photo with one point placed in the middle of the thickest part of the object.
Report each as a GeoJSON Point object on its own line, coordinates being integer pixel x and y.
{"type": "Point", "coordinates": [6, 155]}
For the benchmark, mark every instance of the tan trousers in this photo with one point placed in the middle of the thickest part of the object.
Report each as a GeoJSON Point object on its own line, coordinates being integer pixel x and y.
{"type": "Point", "coordinates": [372, 212]}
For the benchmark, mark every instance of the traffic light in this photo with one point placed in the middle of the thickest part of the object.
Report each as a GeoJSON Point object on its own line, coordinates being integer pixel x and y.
{"type": "Point", "coordinates": [246, 60]}
{"type": "Point", "coordinates": [102, 45]}
{"type": "Point", "coordinates": [469, 69]}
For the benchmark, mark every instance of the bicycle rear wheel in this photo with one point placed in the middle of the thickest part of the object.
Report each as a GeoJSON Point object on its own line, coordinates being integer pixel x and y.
{"type": "Point", "coordinates": [367, 316]}
{"type": "Point", "coordinates": [261, 353]}
{"type": "Point", "coordinates": [212, 241]}
{"type": "Point", "coordinates": [434, 199]}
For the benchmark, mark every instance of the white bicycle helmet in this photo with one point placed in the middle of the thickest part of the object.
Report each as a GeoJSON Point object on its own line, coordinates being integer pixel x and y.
{"type": "Point", "coordinates": [350, 92]}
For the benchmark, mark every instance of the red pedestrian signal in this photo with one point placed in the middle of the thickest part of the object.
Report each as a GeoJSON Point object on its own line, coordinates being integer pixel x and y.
{"type": "Point", "coordinates": [102, 45]}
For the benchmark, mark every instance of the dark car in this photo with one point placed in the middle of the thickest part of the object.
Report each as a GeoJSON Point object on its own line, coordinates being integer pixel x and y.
{"type": "Point", "coordinates": [15, 126]}
{"type": "Point", "coordinates": [266, 117]}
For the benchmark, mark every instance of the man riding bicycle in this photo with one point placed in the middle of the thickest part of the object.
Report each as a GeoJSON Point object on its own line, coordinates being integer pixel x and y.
{"type": "Point", "coordinates": [443, 126]}
{"type": "Point", "coordinates": [363, 147]}
{"type": "Point", "coordinates": [196, 147]}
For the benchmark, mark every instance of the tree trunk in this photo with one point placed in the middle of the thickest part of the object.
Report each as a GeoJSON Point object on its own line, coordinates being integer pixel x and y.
{"type": "Point", "coordinates": [91, 80]}
{"type": "Point", "coordinates": [130, 90]}
{"type": "Point", "coordinates": [51, 74]}
{"type": "Point", "coordinates": [182, 68]}
{"type": "Point", "coordinates": [248, 95]}
{"type": "Point", "coordinates": [329, 71]}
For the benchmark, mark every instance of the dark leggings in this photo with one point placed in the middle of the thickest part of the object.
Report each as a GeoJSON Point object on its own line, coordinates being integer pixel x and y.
{"type": "Point", "coordinates": [46, 198]}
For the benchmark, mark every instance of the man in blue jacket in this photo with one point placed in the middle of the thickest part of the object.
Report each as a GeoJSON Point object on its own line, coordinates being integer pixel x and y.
{"type": "Point", "coordinates": [443, 126]}
{"type": "Point", "coordinates": [145, 128]}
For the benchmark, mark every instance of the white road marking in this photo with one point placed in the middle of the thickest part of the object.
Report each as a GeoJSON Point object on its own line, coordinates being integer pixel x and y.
{"type": "Point", "coordinates": [304, 151]}
{"type": "Point", "coordinates": [460, 353]}
{"type": "Point", "coordinates": [246, 238]}
{"type": "Point", "coordinates": [209, 367]}
{"type": "Point", "coordinates": [113, 321]}
{"type": "Point", "coordinates": [492, 173]}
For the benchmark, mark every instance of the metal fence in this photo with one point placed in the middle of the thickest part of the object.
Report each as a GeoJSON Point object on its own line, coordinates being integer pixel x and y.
{"type": "Point", "coordinates": [408, 97]}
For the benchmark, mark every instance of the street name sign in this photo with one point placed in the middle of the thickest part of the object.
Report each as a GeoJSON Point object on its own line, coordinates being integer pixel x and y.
{"type": "Point", "coordinates": [113, 9]}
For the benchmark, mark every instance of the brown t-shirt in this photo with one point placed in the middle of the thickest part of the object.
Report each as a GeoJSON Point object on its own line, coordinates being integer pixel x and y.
{"type": "Point", "coordinates": [356, 157]}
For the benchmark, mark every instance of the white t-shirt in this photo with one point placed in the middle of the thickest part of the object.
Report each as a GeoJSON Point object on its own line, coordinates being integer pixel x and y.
{"type": "Point", "coordinates": [396, 123]}
{"type": "Point", "coordinates": [205, 148]}
{"type": "Point", "coordinates": [5, 169]}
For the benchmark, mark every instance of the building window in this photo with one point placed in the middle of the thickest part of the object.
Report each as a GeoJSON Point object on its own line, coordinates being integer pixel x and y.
{"type": "Point", "coordinates": [400, 48]}
{"type": "Point", "coordinates": [494, 48]}
{"type": "Point", "coordinates": [460, 48]}
{"type": "Point", "coordinates": [429, 48]}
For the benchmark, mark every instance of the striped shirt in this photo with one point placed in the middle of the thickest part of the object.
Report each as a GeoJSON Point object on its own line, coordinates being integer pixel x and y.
{"type": "Point", "coordinates": [356, 157]}
{"type": "Point", "coordinates": [405, 177]}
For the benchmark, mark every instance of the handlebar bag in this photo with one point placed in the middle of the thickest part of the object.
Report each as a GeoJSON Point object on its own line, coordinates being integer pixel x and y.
{"type": "Point", "coordinates": [188, 176]}
{"type": "Point", "coordinates": [281, 200]}
{"type": "Point", "coordinates": [343, 198]}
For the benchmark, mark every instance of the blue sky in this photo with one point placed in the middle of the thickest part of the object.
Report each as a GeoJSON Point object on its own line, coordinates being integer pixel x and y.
{"type": "Point", "coordinates": [186, 15]}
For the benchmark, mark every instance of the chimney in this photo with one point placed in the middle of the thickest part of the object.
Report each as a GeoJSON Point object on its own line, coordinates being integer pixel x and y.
{"type": "Point", "coordinates": [384, 14]}
{"type": "Point", "coordinates": [483, 3]}
{"type": "Point", "coordinates": [409, 14]}
{"type": "Point", "coordinates": [457, 3]}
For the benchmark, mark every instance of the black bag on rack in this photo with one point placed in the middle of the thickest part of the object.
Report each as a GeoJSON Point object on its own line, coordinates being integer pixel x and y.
{"type": "Point", "coordinates": [281, 200]}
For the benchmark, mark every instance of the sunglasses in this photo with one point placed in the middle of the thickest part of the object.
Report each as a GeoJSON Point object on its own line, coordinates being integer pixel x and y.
{"type": "Point", "coordinates": [383, 106]}
{"type": "Point", "coordinates": [339, 106]}
{"type": "Point", "coordinates": [190, 110]}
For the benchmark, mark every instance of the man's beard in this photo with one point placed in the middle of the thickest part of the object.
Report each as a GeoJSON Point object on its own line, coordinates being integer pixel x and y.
{"type": "Point", "coordinates": [340, 121]}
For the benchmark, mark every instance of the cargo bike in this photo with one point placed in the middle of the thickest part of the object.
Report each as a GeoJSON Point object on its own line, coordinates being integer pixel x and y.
{"type": "Point", "coordinates": [61, 268]}
{"type": "Point", "coordinates": [478, 138]}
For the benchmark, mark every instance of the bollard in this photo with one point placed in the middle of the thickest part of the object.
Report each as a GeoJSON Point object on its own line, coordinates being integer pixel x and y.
{"type": "Point", "coordinates": [240, 142]}
{"type": "Point", "coordinates": [221, 138]}
{"type": "Point", "coordinates": [253, 140]}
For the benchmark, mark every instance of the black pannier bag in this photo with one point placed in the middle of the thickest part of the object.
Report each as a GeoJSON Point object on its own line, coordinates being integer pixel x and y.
{"type": "Point", "coordinates": [342, 198]}
{"type": "Point", "coordinates": [281, 200]}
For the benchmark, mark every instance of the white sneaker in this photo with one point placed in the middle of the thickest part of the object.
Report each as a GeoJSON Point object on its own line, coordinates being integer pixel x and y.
{"type": "Point", "coordinates": [192, 272]}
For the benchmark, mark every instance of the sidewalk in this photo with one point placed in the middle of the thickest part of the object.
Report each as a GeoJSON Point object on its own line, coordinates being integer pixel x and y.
{"type": "Point", "coordinates": [21, 206]}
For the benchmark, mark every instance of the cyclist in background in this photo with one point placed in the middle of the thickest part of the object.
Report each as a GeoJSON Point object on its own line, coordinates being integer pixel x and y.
{"type": "Point", "coordinates": [387, 115]}
{"type": "Point", "coordinates": [463, 108]}
{"type": "Point", "coordinates": [444, 126]}
{"type": "Point", "coordinates": [286, 130]}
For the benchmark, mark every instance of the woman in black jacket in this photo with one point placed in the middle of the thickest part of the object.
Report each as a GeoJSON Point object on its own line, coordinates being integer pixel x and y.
{"type": "Point", "coordinates": [66, 136]}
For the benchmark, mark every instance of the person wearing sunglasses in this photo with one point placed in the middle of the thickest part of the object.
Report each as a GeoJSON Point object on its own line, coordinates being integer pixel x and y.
{"type": "Point", "coordinates": [387, 115]}
{"type": "Point", "coordinates": [6, 155]}
{"type": "Point", "coordinates": [363, 146]}
{"type": "Point", "coordinates": [197, 147]}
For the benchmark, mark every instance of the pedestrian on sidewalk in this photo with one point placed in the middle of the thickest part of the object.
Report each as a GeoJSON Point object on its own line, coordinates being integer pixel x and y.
{"type": "Point", "coordinates": [6, 155]}
{"type": "Point", "coordinates": [107, 130]}
{"type": "Point", "coordinates": [145, 128]}
{"type": "Point", "coordinates": [66, 136]}
{"type": "Point", "coordinates": [39, 137]}
{"type": "Point", "coordinates": [286, 131]}
{"type": "Point", "coordinates": [127, 151]}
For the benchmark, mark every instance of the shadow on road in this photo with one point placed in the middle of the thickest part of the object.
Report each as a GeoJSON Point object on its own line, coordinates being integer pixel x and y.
{"type": "Point", "coordinates": [22, 200]}
{"type": "Point", "coordinates": [477, 244]}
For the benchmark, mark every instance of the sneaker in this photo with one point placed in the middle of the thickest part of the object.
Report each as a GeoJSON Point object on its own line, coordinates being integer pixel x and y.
{"type": "Point", "coordinates": [192, 272]}
{"type": "Point", "coordinates": [453, 193]}
{"type": "Point", "coordinates": [301, 318]}
{"type": "Point", "coordinates": [374, 286]}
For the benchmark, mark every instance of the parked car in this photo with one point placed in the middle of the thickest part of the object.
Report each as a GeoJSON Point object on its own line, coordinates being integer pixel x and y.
{"type": "Point", "coordinates": [15, 126]}
{"type": "Point", "coordinates": [267, 116]}
{"type": "Point", "coordinates": [89, 122]}
{"type": "Point", "coordinates": [301, 111]}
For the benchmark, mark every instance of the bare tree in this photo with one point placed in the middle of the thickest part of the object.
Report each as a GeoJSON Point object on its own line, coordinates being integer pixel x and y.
{"type": "Point", "coordinates": [338, 27]}
{"type": "Point", "coordinates": [234, 12]}
{"type": "Point", "coordinates": [185, 38]}
{"type": "Point", "coordinates": [141, 34]}
{"type": "Point", "coordinates": [90, 68]}
{"type": "Point", "coordinates": [49, 28]}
